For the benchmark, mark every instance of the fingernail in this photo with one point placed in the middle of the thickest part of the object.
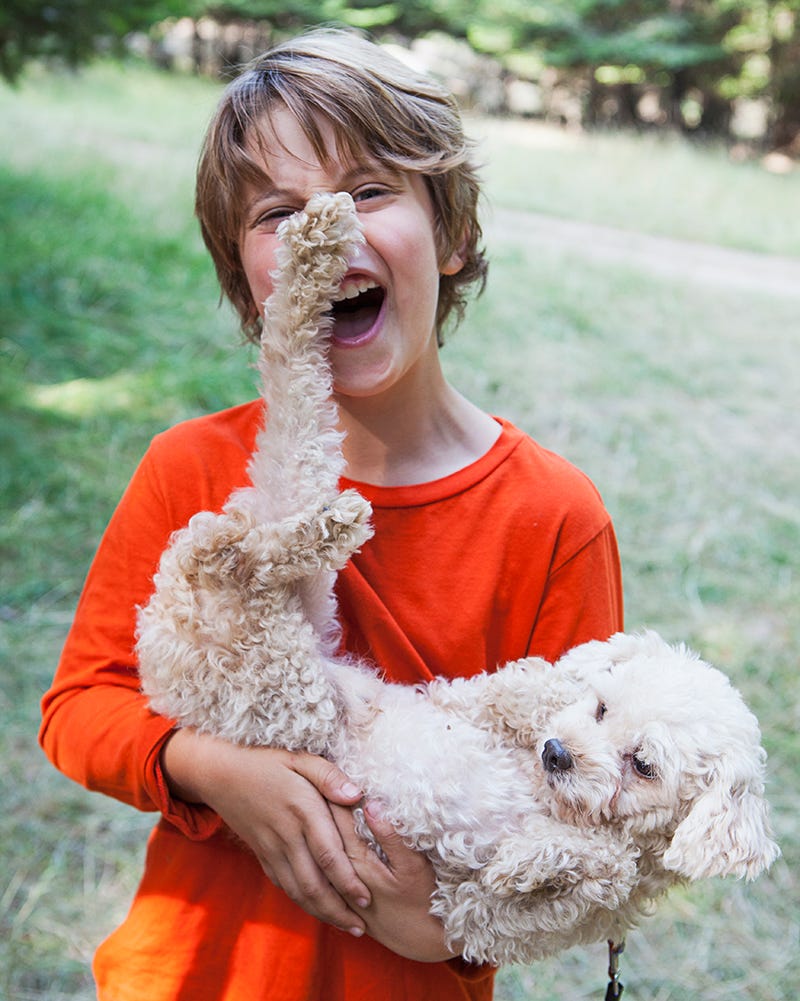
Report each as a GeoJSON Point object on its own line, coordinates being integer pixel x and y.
{"type": "Point", "coordinates": [356, 932]}
{"type": "Point", "coordinates": [375, 810]}
{"type": "Point", "coordinates": [362, 902]}
{"type": "Point", "coordinates": [350, 790]}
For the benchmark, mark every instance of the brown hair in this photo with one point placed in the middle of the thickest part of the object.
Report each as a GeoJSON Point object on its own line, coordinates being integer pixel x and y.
{"type": "Point", "coordinates": [375, 105]}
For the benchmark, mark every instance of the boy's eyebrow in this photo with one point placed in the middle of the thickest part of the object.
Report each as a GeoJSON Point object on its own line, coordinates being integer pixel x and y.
{"type": "Point", "coordinates": [370, 169]}
{"type": "Point", "coordinates": [349, 178]}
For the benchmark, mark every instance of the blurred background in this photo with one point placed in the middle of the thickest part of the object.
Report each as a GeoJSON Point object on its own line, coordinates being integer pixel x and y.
{"type": "Point", "coordinates": [642, 318]}
{"type": "Point", "coordinates": [723, 68]}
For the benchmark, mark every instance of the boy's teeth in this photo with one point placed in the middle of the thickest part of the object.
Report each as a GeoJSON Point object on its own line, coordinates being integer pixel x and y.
{"type": "Point", "coordinates": [351, 289]}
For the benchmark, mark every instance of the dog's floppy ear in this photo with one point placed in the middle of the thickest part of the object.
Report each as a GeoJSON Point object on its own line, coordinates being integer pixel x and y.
{"type": "Point", "coordinates": [726, 833]}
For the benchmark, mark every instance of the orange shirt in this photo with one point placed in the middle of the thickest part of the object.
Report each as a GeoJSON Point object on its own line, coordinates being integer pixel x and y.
{"type": "Point", "coordinates": [513, 555]}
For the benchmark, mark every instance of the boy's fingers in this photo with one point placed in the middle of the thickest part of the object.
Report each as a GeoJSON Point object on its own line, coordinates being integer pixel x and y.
{"type": "Point", "coordinates": [336, 867]}
{"type": "Point", "coordinates": [329, 881]}
{"type": "Point", "coordinates": [403, 862]}
{"type": "Point", "coordinates": [303, 882]}
{"type": "Point", "coordinates": [329, 780]}
{"type": "Point", "coordinates": [378, 823]}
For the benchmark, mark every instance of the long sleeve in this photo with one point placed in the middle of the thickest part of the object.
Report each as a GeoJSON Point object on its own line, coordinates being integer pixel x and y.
{"type": "Point", "coordinates": [96, 725]}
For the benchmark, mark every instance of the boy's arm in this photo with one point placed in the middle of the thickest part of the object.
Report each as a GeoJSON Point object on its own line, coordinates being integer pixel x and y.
{"type": "Point", "coordinates": [96, 724]}
{"type": "Point", "coordinates": [583, 600]}
{"type": "Point", "coordinates": [277, 802]}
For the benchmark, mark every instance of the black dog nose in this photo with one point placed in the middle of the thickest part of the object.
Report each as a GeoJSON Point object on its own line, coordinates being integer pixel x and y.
{"type": "Point", "coordinates": [555, 757]}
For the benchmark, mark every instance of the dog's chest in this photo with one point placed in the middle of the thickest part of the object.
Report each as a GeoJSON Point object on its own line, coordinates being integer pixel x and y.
{"type": "Point", "coordinates": [435, 772]}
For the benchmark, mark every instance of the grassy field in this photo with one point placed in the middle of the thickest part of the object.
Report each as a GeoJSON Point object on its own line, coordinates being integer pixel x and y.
{"type": "Point", "coordinates": [679, 400]}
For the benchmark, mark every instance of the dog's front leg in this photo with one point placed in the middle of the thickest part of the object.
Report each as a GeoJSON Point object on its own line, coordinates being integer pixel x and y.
{"type": "Point", "coordinates": [542, 883]}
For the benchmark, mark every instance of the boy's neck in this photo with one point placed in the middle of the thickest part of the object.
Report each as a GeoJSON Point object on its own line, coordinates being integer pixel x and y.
{"type": "Point", "coordinates": [414, 438]}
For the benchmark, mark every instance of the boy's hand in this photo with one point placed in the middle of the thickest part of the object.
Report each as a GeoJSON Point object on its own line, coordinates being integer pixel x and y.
{"type": "Point", "coordinates": [398, 915]}
{"type": "Point", "coordinates": [278, 804]}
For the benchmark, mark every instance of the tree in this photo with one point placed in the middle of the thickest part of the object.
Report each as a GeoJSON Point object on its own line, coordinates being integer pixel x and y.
{"type": "Point", "coordinates": [404, 17]}
{"type": "Point", "coordinates": [783, 88]}
{"type": "Point", "coordinates": [71, 30]}
{"type": "Point", "coordinates": [677, 44]}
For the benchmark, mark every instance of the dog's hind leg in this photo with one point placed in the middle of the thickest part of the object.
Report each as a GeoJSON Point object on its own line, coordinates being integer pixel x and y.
{"type": "Point", "coordinates": [298, 459]}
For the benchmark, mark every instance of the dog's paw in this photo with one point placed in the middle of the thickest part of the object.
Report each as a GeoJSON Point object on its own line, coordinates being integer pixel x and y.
{"type": "Point", "coordinates": [348, 511]}
{"type": "Point", "coordinates": [589, 863]}
{"type": "Point", "coordinates": [326, 221]}
{"type": "Point", "coordinates": [343, 527]}
{"type": "Point", "coordinates": [324, 538]}
{"type": "Point", "coordinates": [209, 546]}
{"type": "Point", "coordinates": [326, 227]}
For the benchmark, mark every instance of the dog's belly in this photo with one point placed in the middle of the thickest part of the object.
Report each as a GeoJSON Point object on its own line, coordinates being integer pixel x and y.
{"type": "Point", "coordinates": [442, 780]}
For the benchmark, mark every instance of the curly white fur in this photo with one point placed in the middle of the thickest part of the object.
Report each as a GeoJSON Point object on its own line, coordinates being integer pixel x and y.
{"type": "Point", "coordinates": [555, 802]}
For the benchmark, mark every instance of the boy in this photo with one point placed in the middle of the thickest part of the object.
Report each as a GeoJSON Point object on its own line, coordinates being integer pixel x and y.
{"type": "Point", "coordinates": [466, 508]}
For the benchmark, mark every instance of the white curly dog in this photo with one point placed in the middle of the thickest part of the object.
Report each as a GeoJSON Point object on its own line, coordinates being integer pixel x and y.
{"type": "Point", "coordinates": [555, 802]}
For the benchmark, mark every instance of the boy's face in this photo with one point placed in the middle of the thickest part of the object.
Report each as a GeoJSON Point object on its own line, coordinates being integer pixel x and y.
{"type": "Point", "coordinates": [384, 329]}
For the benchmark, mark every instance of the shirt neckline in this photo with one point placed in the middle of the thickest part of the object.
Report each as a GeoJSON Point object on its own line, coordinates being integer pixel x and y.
{"type": "Point", "coordinates": [417, 494]}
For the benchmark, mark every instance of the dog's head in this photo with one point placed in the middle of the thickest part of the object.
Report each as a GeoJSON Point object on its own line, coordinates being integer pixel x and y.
{"type": "Point", "coordinates": [662, 744]}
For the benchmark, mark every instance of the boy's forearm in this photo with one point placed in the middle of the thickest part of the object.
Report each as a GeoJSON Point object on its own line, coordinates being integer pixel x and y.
{"type": "Point", "coordinates": [104, 738]}
{"type": "Point", "coordinates": [184, 761]}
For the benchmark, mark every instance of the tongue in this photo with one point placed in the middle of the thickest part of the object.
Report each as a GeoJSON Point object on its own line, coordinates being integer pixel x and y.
{"type": "Point", "coordinates": [347, 325]}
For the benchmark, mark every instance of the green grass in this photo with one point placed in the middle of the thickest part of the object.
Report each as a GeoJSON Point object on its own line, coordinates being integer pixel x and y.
{"type": "Point", "coordinates": [656, 184]}
{"type": "Point", "coordinates": [679, 400]}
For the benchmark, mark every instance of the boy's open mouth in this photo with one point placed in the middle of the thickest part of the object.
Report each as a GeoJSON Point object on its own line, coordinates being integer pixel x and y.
{"type": "Point", "coordinates": [355, 313]}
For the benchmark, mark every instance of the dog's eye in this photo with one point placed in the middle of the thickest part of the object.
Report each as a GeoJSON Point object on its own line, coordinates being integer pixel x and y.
{"type": "Point", "coordinates": [641, 767]}
{"type": "Point", "coordinates": [602, 709]}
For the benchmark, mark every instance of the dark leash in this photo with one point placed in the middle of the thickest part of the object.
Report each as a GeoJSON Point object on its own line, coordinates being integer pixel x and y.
{"type": "Point", "coordinates": [615, 988]}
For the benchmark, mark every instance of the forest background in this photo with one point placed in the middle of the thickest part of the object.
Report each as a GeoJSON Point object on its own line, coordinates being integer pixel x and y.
{"type": "Point", "coordinates": [724, 68]}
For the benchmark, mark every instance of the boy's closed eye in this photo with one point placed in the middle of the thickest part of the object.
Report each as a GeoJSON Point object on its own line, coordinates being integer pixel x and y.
{"type": "Point", "coordinates": [272, 218]}
{"type": "Point", "coordinates": [371, 193]}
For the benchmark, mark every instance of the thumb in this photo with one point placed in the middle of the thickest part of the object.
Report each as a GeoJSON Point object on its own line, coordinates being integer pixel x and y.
{"type": "Point", "coordinates": [331, 781]}
{"type": "Point", "coordinates": [396, 854]}
{"type": "Point", "coordinates": [378, 824]}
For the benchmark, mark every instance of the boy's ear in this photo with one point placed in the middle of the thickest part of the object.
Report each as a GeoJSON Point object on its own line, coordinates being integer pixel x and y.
{"type": "Point", "coordinates": [453, 264]}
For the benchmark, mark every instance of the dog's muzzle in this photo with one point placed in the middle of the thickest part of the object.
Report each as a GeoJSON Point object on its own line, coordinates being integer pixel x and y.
{"type": "Point", "coordinates": [555, 757]}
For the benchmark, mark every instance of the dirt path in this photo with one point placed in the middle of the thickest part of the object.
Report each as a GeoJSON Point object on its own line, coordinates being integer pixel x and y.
{"type": "Point", "coordinates": [658, 255]}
